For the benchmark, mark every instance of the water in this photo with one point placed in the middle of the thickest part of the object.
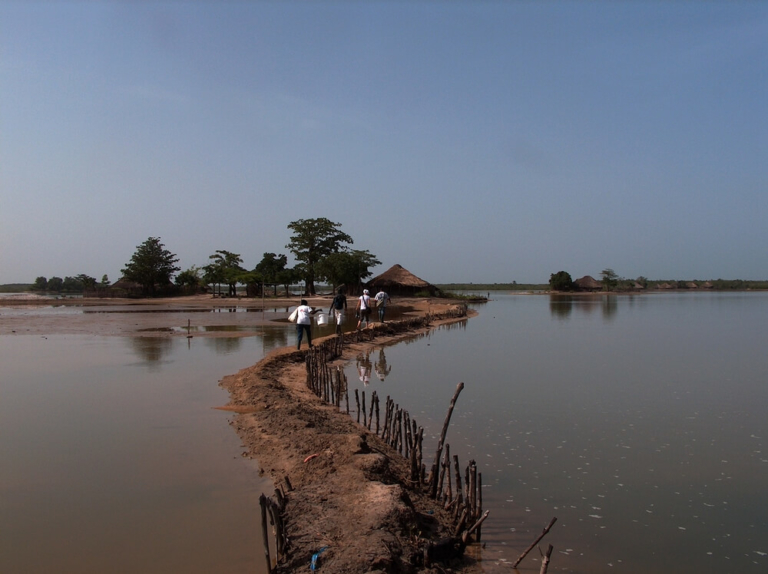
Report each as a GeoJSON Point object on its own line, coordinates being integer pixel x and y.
{"type": "Point", "coordinates": [113, 458]}
{"type": "Point", "coordinates": [639, 422]}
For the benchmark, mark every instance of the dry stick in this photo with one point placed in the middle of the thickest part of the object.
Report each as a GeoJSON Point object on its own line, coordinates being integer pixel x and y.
{"type": "Point", "coordinates": [479, 503]}
{"type": "Point", "coordinates": [370, 415]}
{"type": "Point", "coordinates": [365, 415]}
{"type": "Point", "coordinates": [436, 461]}
{"type": "Point", "coordinates": [459, 497]}
{"type": "Point", "coordinates": [545, 561]}
{"type": "Point", "coordinates": [462, 520]}
{"type": "Point", "coordinates": [264, 535]}
{"type": "Point", "coordinates": [441, 477]}
{"type": "Point", "coordinates": [357, 400]}
{"type": "Point", "coordinates": [473, 489]}
{"type": "Point", "coordinates": [377, 414]}
{"type": "Point", "coordinates": [448, 493]}
{"type": "Point", "coordinates": [535, 542]}
{"type": "Point", "coordinates": [288, 484]}
{"type": "Point", "coordinates": [346, 389]}
{"type": "Point", "coordinates": [475, 526]}
{"type": "Point", "coordinates": [414, 464]}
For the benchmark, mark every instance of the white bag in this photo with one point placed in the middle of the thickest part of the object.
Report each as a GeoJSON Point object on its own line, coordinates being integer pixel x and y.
{"type": "Point", "coordinates": [293, 316]}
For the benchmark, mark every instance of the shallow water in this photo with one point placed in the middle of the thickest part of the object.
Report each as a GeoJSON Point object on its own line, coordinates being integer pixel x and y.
{"type": "Point", "coordinates": [639, 422]}
{"type": "Point", "coordinates": [114, 459]}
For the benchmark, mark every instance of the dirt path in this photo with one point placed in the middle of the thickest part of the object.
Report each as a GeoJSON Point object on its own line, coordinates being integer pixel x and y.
{"type": "Point", "coordinates": [351, 490]}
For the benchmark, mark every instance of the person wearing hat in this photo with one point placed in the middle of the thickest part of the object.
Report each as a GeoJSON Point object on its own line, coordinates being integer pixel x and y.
{"type": "Point", "coordinates": [363, 309]}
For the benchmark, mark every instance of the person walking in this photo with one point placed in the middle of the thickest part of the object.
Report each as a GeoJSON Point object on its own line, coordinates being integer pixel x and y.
{"type": "Point", "coordinates": [363, 309]}
{"type": "Point", "coordinates": [338, 307]}
{"type": "Point", "coordinates": [304, 322]}
{"type": "Point", "coordinates": [382, 300]}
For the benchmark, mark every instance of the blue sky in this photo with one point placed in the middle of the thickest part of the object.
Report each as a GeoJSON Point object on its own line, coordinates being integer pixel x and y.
{"type": "Point", "coordinates": [466, 141]}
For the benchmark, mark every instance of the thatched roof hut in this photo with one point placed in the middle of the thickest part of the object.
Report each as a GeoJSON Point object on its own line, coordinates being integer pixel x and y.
{"type": "Point", "coordinates": [397, 280]}
{"type": "Point", "coordinates": [588, 283]}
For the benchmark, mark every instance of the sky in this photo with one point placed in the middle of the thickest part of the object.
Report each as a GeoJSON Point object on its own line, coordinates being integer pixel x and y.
{"type": "Point", "coordinates": [468, 141]}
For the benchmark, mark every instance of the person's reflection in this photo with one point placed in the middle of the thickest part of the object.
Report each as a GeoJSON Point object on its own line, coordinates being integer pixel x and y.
{"type": "Point", "coordinates": [364, 368]}
{"type": "Point", "coordinates": [381, 367]}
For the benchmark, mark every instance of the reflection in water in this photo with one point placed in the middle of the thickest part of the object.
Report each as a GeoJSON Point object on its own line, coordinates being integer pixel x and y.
{"type": "Point", "coordinates": [224, 345]}
{"type": "Point", "coordinates": [273, 337]}
{"type": "Point", "coordinates": [151, 349]}
{"type": "Point", "coordinates": [561, 306]}
{"type": "Point", "coordinates": [364, 367]}
{"type": "Point", "coordinates": [382, 368]}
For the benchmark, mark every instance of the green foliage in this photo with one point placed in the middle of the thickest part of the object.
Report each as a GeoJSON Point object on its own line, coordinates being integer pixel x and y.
{"type": "Point", "coordinates": [312, 241]}
{"type": "Point", "coordinates": [190, 280]}
{"type": "Point", "coordinates": [41, 284]}
{"type": "Point", "coordinates": [224, 268]}
{"type": "Point", "coordinates": [151, 266]}
{"type": "Point", "coordinates": [346, 267]}
{"type": "Point", "coordinates": [55, 284]}
{"type": "Point", "coordinates": [561, 281]}
{"type": "Point", "coordinates": [610, 279]}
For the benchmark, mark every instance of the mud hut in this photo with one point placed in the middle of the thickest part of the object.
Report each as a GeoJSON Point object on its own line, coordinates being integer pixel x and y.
{"type": "Point", "coordinates": [398, 281]}
{"type": "Point", "coordinates": [588, 283]}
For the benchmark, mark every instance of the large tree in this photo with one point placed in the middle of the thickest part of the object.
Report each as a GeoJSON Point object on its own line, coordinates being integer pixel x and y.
{"type": "Point", "coordinates": [348, 268]}
{"type": "Point", "coordinates": [313, 240]}
{"type": "Point", "coordinates": [225, 268]}
{"type": "Point", "coordinates": [151, 266]}
{"type": "Point", "coordinates": [561, 281]}
{"type": "Point", "coordinates": [269, 269]}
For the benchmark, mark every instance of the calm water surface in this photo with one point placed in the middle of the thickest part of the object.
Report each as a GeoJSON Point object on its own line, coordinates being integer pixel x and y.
{"type": "Point", "coordinates": [639, 422]}
{"type": "Point", "coordinates": [113, 459]}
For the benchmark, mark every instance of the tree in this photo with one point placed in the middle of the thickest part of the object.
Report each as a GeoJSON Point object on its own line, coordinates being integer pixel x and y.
{"type": "Point", "coordinates": [189, 280]}
{"type": "Point", "coordinates": [151, 265]}
{"type": "Point", "coordinates": [312, 241]}
{"type": "Point", "coordinates": [55, 284]}
{"type": "Point", "coordinates": [225, 268]}
{"type": "Point", "coordinates": [610, 279]}
{"type": "Point", "coordinates": [87, 281]}
{"type": "Point", "coordinates": [41, 284]}
{"type": "Point", "coordinates": [347, 267]}
{"type": "Point", "coordinates": [269, 268]}
{"type": "Point", "coordinates": [561, 281]}
{"type": "Point", "coordinates": [104, 280]}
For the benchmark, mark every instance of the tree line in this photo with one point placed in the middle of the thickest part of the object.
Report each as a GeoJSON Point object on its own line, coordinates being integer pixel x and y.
{"type": "Point", "coordinates": [322, 251]}
{"type": "Point", "coordinates": [611, 281]}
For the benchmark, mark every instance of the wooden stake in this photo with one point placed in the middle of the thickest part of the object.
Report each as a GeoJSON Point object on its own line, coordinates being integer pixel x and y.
{"type": "Point", "coordinates": [438, 455]}
{"type": "Point", "coordinates": [545, 561]}
{"type": "Point", "coordinates": [535, 542]}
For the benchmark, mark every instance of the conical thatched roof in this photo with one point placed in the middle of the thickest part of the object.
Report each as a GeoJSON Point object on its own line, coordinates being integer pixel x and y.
{"type": "Point", "coordinates": [397, 279]}
{"type": "Point", "coordinates": [588, 283]}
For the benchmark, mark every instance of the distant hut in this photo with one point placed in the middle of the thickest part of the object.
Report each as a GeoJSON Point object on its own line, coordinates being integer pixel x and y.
{"type": "Point", "coordinates": [691, 285]}
{"type": "Point", "coordinates": [399, 281]}
{"type": "Point", "coordinates": [707, 285]}
{"type": "Point", "coordinates": [588, 283]}
{"type": "Point", "coordinates": [126, 288]}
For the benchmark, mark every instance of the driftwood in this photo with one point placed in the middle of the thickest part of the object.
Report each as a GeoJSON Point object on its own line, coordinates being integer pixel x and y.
{"type": "Point", "coordinates": [535, 542]}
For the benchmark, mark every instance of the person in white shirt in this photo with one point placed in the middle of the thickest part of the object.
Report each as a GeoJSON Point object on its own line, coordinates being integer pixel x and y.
{"type": "Point", "coordinates": [304, 322]}
{"type": "Point", "coordinates": [363, 309]}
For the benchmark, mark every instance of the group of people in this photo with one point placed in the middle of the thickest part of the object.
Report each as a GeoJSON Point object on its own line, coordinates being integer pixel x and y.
{"type": "Point", "coordinates": [363, 311]}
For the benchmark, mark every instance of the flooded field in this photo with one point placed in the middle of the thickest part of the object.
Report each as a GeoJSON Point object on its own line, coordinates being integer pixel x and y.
{"type": "Point", "coordinates": [639, 422]}
{"type": "Point", "coordinates": [114, 459]}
